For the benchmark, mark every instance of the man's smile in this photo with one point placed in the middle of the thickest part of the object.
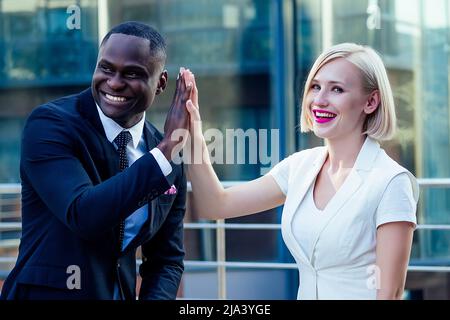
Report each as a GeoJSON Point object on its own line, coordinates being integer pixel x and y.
{"type": "Point", "coordinates": [115, 99]}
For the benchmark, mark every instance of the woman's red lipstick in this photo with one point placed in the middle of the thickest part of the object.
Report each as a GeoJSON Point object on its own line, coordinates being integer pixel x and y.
{"type": "Point", "coordinates": [323, 116]}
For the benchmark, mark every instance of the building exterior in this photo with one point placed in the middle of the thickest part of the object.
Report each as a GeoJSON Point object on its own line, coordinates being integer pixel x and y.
{"type": "Point", "coordinates": [250, 58]}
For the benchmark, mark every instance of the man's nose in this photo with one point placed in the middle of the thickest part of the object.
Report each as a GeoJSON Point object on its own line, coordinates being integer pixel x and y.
{"type": "Point", "coordinates": [116, 82]}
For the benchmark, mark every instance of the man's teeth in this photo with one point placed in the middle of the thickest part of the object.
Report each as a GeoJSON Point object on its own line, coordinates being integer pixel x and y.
{"type": "Point", "coordinates": [115, 98]}
{"type": "Point", "coordinates": [325, 114]}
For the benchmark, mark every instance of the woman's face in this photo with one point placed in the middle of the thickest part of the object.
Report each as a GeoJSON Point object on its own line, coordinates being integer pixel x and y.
{"type": "Point", "coordinates": [337, 101]}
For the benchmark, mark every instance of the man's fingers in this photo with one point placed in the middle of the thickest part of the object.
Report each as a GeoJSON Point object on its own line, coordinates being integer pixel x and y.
{"type": "Point", "coordinates": [178, 85]}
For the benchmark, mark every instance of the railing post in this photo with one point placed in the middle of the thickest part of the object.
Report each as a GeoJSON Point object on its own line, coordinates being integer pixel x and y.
{"type": "Point", "coordinates": [220, 251]}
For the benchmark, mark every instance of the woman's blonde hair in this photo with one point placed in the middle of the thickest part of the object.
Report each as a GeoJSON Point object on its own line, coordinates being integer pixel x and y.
{"type": "Point", "coordinates": [379, 125]}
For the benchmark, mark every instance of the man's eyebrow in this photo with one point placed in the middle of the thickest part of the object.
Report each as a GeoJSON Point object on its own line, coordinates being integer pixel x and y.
{"type": "Point", "coordinates": [104, 61]}
{"type": "Point", "coordinates": [135, 67]}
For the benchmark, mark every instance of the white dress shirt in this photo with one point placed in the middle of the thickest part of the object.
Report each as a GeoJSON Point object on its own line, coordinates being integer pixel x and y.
{"type": "Point", "coordinates": [135, 149]}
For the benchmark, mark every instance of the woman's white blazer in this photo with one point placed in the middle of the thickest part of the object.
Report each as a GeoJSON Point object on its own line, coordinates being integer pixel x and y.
{"type": "Point", "coordinates": [342, 262]}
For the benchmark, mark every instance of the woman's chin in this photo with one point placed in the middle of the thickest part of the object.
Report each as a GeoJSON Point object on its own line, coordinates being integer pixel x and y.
{"type": "Point", "coordinates": [320, 133]}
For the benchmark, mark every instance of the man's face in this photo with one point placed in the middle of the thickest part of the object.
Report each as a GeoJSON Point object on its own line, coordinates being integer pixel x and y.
{"type": "Point", "coordinates": [127, 78]}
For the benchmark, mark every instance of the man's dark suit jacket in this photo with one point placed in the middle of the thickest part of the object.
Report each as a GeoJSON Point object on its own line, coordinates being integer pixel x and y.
{"type": "Point", "coordinates": [73, 198]}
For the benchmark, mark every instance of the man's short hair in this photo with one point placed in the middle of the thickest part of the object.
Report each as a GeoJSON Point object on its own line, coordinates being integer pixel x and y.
{"type": "Point", "coordinates": [141, 30]}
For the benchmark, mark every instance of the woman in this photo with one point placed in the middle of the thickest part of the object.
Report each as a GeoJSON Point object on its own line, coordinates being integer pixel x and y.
{"type": "Point", "coordinates": [349, 209]}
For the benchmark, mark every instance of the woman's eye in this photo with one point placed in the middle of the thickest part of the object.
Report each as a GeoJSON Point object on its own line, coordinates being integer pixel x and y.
{"type": "Point", "coordinates": [315, 87]}
{"type": "Point", "coordinates": [338, 90]}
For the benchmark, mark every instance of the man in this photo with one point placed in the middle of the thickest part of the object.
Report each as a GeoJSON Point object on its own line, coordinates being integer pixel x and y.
{"type": "Point", "coordinates": [97, 183]}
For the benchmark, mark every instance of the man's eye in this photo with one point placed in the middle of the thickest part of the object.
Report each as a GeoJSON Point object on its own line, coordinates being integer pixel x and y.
{"type": "Point", "coordinates": [131, 75]}
{"type": "Point", "coordinates": [105, 69]}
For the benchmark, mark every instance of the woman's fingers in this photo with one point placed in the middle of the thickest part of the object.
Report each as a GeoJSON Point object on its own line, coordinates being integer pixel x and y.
{"type": "Point", "coordinates": [190, 78]}
{"type": "Point", "coordinates": [193, 111]}
{"type": "Point", "coordinates": [194, 94]}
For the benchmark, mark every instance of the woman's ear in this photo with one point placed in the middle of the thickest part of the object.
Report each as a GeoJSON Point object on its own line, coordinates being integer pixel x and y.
{"type": "Point", "coordinates": [373, 102]}
{"type": "Point", "coordinates": [162, 83]}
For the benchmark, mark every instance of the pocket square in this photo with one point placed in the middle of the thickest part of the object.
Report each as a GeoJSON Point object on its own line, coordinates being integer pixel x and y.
{"type": "Point", "coordinates": [172, 190]}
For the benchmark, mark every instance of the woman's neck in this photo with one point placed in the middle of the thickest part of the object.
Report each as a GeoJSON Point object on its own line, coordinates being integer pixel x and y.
{"type": "Point", "coordinates": [342, 153]}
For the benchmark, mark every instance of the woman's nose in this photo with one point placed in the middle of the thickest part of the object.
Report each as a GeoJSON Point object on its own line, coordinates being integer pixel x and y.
{"type": "Point", "coordinates": [320, 98]}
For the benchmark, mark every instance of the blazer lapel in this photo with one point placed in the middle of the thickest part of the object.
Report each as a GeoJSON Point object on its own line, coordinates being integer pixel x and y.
{"type": "Point", "coordinates": [302, 182]}
{"type": "Point", "coordinates": [150, 136]}
{"type": "Point", "coordinates": [152, 141]}
{"type": "Point", "coordinates": [154, 207]}
{"type": "Point", "coordinates": [352, 183]}
{"type": "Point", "coordinates": [104, 154]}
{"type": "Point", "coordinates": [156, 211]}
{"type": "Point", "coordinates": [147, 231]}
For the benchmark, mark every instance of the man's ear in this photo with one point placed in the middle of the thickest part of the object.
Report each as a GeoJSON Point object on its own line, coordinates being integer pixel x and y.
{"type": "Point", "coordinates": [162, 83]}
{"type": "Point", "coordinates": [373, 102]}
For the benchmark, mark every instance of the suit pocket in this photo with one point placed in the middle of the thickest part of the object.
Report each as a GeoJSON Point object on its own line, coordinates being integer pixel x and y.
{"type": "Point", "coordinates": [39, 292]}
{"type": "Point", "coordinates": [159, 211]}
{"type": "Point", "coordinates": [47, 276]}
{"type": "Point", "coordinates": [166, 199]}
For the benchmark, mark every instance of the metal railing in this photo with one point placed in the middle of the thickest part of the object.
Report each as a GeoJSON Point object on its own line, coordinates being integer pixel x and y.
{"type": "Point", "coordinates": [220, 226]}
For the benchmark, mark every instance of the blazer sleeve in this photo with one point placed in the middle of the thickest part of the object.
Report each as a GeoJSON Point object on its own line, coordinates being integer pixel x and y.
{"type": "Point", "coordinates": [162, 265]}
{"type": "Point", "coordinates": [281, 173]}
{"type": "Point", "coordinates": [50, 165]}
{"type": "Point", "coordinates": [398, 202]}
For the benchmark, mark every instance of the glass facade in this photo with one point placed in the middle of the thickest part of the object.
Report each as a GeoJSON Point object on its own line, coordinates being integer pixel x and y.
{"type": "Point", "coordinates": [249, 57]}
{"type": "Point", "coordinates": [40, 59]}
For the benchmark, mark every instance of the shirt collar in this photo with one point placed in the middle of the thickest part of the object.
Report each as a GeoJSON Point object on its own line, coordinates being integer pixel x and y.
{"type": "Point", "coordinates": [112, 128]}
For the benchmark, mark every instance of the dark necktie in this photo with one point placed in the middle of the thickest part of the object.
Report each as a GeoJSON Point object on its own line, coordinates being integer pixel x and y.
{"type": "Point", "coordinates": [122, 141]}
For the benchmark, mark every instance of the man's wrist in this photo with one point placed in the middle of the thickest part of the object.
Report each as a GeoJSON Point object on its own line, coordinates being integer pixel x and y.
{"type": "Point", "coordinates": [163, 163]}
{"type": "Point", "coordinates": [166, 149]}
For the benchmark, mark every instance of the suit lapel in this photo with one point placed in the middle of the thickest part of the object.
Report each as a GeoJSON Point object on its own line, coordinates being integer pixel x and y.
{"type": "Point", "coordinates": [88, 109]}
{"type": "Point", "coordinates": [150, 136]}
{"type": "Point", "coordinates": [352, 183]}
{"type": "Point", "coordinates": [347, 189]}
{"type": "Point", "coordinates": [104, 154]}
{"type": "Point", "coordinates": [302, 182]}
{"type": "Point", "coordinates": [154, 208]}
{"type": "Point", "coordinates": [152, 141]}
